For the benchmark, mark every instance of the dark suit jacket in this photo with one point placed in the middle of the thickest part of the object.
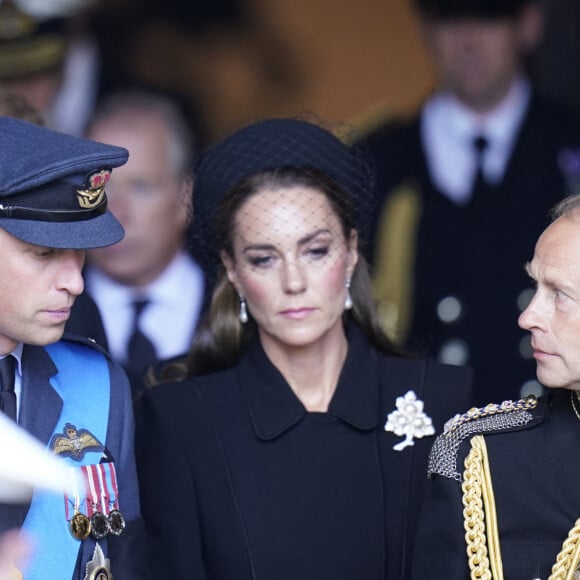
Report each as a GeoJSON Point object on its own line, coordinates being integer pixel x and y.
{"type": "Point", "coordinates": [535, 472]}
{"type": "Point", "coordinates": [240, 482]}
{"type": "Point", "coordinates": [475, 252]}
{"type": "Point", "coordinates": [39, 411]}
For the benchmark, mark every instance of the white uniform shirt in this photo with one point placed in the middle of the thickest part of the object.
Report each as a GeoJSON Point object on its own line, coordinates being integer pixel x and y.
{"type": "Point", "coordinates": [448, 129]}
{"type": "Point", "coordinates": [169, 320]}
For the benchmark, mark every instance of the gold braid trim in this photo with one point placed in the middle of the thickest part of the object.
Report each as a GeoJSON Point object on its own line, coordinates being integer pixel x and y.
{"type": "Point", "coordinates": [394, 262]}
{"type": "Point", "coordinates": [569, 557]}
{"type": "Point", "coordinates": [479, 513]}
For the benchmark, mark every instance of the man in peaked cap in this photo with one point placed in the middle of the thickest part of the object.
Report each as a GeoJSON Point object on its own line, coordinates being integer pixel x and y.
{"type": "Point", "coordinates": [66, 391]}
{"type": "Point", "coordinates": [483, 153]}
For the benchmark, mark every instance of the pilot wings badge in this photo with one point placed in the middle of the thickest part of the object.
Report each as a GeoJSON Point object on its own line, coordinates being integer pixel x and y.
{"type": "Point", "coordinates": [74, 443]}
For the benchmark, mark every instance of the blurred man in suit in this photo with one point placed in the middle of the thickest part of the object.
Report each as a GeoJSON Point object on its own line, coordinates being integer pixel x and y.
{"type": "Point", "coordinates": [148, 289]}
{"type": "Point", "coordinates": [485, 152]}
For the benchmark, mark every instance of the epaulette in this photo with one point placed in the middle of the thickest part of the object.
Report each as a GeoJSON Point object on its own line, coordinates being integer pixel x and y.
{"type": "Point", "coordinates": [90, 342]}
{"type": "Point", "coordinates": [478, 420]}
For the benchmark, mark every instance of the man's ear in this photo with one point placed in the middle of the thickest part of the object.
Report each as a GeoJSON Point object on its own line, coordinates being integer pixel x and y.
{"type": "Point", "coordinates": [185, 201]}
{"type": "Point", "coordinates": [530, 27]}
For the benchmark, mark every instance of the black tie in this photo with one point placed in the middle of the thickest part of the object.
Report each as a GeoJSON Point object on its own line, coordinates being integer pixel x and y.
{"type": "Point", "coordinates": [140, 350]}
{"type": "Point", "coordinates": [7, 366]}
{"type": "Point", "coordinates": [480, 145]}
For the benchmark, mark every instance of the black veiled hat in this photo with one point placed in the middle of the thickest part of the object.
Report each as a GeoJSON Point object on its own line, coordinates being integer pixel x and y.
{"type": "Point", "coordinates": [269, 145]}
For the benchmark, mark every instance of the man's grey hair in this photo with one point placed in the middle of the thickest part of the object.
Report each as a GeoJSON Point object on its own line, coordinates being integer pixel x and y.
{"type": "Point", "coordinates": [567, 205]}
{"type": "Point", "coordinates": [182, 146]}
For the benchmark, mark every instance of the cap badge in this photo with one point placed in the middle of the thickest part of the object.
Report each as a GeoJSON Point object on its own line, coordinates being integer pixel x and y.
{"type": "Point", "coordinates": [74, 442]}
{"type": "Point", "coordinates": [95, 192]}
{"type": "Point", "coordinates": [409, 420]}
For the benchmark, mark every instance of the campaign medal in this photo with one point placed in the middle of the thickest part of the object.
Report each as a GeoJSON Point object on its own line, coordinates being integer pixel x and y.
{"type": "Point", "coordinates": [97, 503]}
{"type": "Point", "coordinates": [99, 525]}
{"type": "Point", "coordinates": [80, 526]}
{"type": "Point", "coordinates": [99, 568]}
{"type": "Point", "coordinates": [79, 523]}
{"type": "Point", "coordinates": [103, 508]}
{"type": "Point", "coordinates": [116, 520]}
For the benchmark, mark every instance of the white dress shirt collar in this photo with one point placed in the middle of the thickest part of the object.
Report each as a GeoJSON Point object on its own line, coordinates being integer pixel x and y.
{"type": "Point", "coordinates": [169, 320]}
{"type": "Point", "coordinates": [448, 129]}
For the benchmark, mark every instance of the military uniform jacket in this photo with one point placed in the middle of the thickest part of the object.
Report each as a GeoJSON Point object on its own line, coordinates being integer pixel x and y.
{"type": "Point", "coordinates": [240, 482]}
{"type": "Point", "coordinates": [535, 469]}
{"type": "Point", "coordinates": [40, 408]}
{"type": "Point", "coordinates": [474, 253]}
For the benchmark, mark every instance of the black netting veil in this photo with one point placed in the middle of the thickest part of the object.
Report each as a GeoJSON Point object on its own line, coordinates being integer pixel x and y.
{"type": "Point", "coordinates": [277, 145]}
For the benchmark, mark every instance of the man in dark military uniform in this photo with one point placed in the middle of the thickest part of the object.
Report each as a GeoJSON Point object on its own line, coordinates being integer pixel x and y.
{"type": "Point", "coordinates": [504, 492]}
{"type": "Point", "coordinates": [67, 392]}
{"type": "Point", "coordinates": [463, 190]}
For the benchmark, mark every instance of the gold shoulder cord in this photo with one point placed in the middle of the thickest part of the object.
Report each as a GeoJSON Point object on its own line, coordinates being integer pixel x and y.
{"type": "Point", "coordinates": [393, 274]}
{"type": "Point", "coordinates": [480, 518]}
{"type": "Point", "coordinates": [568, 559]}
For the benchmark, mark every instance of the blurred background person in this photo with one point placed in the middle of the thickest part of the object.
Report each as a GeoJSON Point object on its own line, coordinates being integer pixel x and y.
{"type": "Point", "coordinates": [49, 56]}
{"type": "Point", "coordinates": [483, 153]}
{"type": "Point", "coordinates": [147, 287]}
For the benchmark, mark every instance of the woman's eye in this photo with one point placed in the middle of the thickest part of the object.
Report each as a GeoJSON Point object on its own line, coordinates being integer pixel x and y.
{"type": "Point", "coordinates": [318, 251]}
{"type": "Point", "coordinates": [260, 261]}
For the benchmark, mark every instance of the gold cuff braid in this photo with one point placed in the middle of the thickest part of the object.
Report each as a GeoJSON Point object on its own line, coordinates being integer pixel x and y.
{"type": "Point", "coordinates": [480, 519]}
{"type": "Point", "coordinates": [569, 557]}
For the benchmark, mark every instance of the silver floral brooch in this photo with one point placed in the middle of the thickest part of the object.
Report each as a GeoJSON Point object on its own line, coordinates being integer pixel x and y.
{"type": "Point", "coordinates": [409, 420]}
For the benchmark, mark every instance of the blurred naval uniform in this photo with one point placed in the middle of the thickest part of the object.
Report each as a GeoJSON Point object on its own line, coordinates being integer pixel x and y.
{"type": "Point", "coordinates": [450, 276]}
{"type": "Point", "coordinates": [449, 245]}
{"type": "Point", "coordinates": [70, 394]}
{"type": "Point", "coordinates": [504, 493]}
{"type": "Point", "coordinates": [49, 56]}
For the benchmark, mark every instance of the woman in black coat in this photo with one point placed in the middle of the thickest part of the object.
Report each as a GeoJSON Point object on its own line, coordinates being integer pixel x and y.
{"type": "Point", "coordinates": [295, 446]}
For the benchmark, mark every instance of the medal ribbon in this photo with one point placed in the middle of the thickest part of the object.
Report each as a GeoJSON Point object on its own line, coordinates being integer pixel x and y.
{"type": "Point", "coordinates": [76, 502]}
{"type": "Point", "coordinates": [98, 471]}
{"type": "Point", "coordinates": [92, 502]}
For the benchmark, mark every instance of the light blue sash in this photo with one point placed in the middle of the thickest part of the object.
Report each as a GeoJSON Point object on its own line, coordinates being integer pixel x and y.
{"type": "Point", "coordinates": [83, 383]}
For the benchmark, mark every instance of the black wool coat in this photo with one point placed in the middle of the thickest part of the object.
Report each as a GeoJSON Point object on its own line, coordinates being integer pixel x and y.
{"type": "Point", "coordinates": [239, 481]}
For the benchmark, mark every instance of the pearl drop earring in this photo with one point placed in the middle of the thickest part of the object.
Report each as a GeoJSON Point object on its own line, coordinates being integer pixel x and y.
{"type": "Point", "coordinates": [243, 310]}
{"type": "Point", "coordinates": [348, 300]}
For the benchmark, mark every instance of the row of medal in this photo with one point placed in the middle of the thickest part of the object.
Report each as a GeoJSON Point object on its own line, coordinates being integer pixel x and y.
{"type": "Point", "coordinates": [94, 509]}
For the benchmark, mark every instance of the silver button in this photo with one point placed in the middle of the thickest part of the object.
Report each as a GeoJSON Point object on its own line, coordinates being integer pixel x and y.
{"type": "Point", "coordinates": [454, 352]}
{"type": "Point", "coordinates": [449, 309]}
{"type": "Point", "coordinates": [524, 298]}
{"type": "Point", "coordinates": [525, 347]}
{"type": "Point", "coordinates": [532, 387]}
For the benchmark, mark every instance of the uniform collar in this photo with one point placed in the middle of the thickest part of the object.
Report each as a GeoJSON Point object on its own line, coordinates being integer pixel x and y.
{"type": "Point", "coordinates": [274, 408]}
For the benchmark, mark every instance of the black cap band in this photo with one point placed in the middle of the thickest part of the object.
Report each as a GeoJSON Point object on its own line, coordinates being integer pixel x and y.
{"type": "Point", "coordinates": [46, 215]}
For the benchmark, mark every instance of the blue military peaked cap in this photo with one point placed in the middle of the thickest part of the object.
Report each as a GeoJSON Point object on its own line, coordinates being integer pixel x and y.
{"type": "Point", "coordinates": [52, 187]}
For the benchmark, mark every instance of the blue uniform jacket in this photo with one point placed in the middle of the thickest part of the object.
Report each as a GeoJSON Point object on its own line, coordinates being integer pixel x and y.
{"type": "Point", "coordinates": [39, 410]}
